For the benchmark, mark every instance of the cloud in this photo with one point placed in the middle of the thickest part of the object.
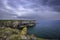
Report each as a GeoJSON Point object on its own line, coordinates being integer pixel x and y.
{"type": "Point", "coordinates": [55, 4]}
{"type": "Point", "coordinates": [31, 9]}
{"type": "Point", "coordinates": [6, 15]}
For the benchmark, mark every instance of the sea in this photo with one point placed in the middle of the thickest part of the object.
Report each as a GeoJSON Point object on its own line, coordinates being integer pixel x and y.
{"type": "Point", "coordinates": [46, 29]}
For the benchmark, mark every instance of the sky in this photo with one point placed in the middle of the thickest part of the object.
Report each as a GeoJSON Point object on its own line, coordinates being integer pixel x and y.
{"type": "Point", "coordinates": [30, 9]}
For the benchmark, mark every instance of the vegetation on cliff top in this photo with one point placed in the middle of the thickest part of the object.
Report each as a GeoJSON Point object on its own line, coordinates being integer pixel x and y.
{"type": "Point", "coordinates": [15, 34]}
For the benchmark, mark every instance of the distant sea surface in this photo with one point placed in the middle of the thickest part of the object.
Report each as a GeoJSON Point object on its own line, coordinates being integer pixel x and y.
{"type": "Point", "coordinates": [46, 29]}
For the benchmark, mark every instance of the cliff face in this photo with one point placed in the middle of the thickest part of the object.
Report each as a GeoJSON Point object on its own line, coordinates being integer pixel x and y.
{"type": "Point", "coordinates": [14, 34]}
{"type": "Point", "coordinates": [9, 30]}
{"type": "Point", "coordinates": [16, 23]}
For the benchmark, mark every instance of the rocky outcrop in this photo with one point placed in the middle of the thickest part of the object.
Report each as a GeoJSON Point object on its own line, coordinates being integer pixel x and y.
{"type": "Point", "coordinates": [9, 30]}
{"type": "Point", "coordinates": [17, 23]}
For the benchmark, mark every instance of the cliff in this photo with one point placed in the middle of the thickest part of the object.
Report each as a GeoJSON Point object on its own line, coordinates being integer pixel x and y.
{"type": "Point", "coordinates": [17, 23]}
{"type": "Point", "coordinates": [15, 29]}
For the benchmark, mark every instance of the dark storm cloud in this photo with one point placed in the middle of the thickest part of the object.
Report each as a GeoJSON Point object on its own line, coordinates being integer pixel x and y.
{"type": "Point", "coordinates": [55, 4]}
{"type": "Point", "coordinates": [34, 9]}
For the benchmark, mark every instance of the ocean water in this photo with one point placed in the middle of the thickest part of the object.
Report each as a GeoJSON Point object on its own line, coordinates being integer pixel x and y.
{"type": "Point", "coordinates": [46, 29]}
